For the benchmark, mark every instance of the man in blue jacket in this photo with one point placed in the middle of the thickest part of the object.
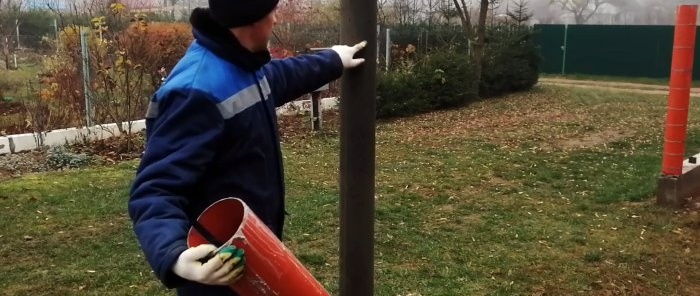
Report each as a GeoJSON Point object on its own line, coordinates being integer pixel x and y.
{"type": "Point", "coordinates": [212, 133]}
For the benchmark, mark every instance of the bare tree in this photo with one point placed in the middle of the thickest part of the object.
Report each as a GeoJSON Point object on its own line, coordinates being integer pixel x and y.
{"type": "Point", "coordinates": [430, 8]}
{"type": "Point", "coordinates": [544, 12]}
{"type": "Point", "coordinates": [81, 12]}
{"type": "Point", "coordinates": [406, 11]}
{"type": "Point", "coordinates": [382, 7]}
{"type": "Point", "coordinates": [494, 6]}
{"type": "Point", "coordinates": [172, 8]}
{"type": "Point", "coordinates": [446, 11]}
{"type": "Point", "coordinates": [582, 10]}
{"type": "Point", "coordinates": [659, 12]}
{"type": "Point", "coordinates": [476, 34]}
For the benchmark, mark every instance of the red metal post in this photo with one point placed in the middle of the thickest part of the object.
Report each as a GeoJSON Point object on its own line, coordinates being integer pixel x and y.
{"type": "Point", "coordinates": [679, 92]}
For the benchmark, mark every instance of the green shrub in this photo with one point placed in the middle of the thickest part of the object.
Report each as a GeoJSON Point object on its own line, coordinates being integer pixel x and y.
{"type": "Point", "coordinates": [448, 79]}
{"type": "Point", "coordinates": [58, 158]}
{"type": "Point", "coordinates": [399, 94]}
{"type": "Point", "coordinates": [442, 79]}
{"type": "Point", "coordinates": [445, 78]}
{"type": "Point", "coordinates": [511, 62]}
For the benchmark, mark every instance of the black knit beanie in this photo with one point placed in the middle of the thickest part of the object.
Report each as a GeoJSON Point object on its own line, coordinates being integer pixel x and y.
{"type": "Point", "coordinates": [237, 13]}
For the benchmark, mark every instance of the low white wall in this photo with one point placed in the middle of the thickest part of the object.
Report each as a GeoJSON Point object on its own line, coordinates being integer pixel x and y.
{"type": "Point", "coordinates": [27, 142]}
{"type": "Point", "coordinates": [301, 106]}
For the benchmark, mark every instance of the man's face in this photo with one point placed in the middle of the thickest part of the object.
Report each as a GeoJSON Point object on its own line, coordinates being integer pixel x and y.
{"type": "Point", "coordinates": [263, 30]}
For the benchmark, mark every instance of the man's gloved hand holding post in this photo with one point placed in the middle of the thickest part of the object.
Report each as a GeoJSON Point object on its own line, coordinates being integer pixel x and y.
{"type": "Point", "coordinates": [223, 269]}
{"type": "Point", "coordinates": [347, 54]}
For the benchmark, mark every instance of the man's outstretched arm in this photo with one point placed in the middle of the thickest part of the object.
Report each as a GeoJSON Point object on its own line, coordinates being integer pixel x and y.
{"type": "Point", "coordinates": [293, 77]}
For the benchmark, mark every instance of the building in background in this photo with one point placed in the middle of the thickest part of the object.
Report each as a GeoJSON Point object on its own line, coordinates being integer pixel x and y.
{"type": "Point", "coordinates": [177, 9]}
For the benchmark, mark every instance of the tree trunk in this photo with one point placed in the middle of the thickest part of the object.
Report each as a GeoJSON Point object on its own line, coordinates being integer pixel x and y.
{"type": "Point", "coordinates": [477, 39]}
{"type": "Point", "coordinates": [478, 54]}
{"type": "Point", "coordinates": [6, 54]}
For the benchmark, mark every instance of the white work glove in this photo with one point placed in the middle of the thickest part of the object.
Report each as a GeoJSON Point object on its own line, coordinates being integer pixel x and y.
{"type": "Point", "coordinates": [218, 270]}
{"type": "Point", "coordinates": [347, 54]}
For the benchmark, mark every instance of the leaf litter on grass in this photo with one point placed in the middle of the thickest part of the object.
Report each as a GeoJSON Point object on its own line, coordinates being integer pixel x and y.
{"type": "Point", "coordinates": [481, 200]}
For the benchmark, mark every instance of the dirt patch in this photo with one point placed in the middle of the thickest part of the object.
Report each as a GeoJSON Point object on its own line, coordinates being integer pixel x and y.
{"type": "Point", "coordinates": [9, 108]}
{"type": "Point", "coordinates": [299, 126]}
{"type": "Point", "coordinates": [501, 125]}
{"type": "Point", "coordinates": [513, 119]}
{"type": "Point", "coordinates": [694, 203]}
{"type": "Point", "coordinates": [5, 173]}
{"type": "Point", "coordinates": [693, 289]}
{"type": "Point", "coordinates": [500, 181]}
{"type": "Point", "coordinates": [114, 149]}
{"type": "Point", "coordinates": [611, 280]}
{"type": "Point", "coordinates": [592, 139]}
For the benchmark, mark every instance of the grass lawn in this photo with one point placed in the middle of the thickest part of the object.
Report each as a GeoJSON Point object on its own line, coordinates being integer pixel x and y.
{"type": "Point", "coordinates": [14, 87]}
{"type": "Point", "coordinates": [16, 80]}
{"type": "Point", "coordinates": [548, 192]}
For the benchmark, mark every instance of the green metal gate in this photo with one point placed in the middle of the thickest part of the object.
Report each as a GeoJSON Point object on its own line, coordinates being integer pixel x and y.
{"type": "Point", "coordinates": [610, 50]}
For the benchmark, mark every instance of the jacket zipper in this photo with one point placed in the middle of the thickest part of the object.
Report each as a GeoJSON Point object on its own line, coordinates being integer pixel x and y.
{"type": "Point", "coordinates": [274, 132]}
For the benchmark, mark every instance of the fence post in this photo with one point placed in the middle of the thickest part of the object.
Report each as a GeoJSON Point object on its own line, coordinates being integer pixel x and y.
{"type": "Point", "coordinates": [17, 28]}
{"type": "Point", "coordinates": [388, 49]}
{"type": "Point", "coordinates": [55, 29]}
{"type": "Point", "coordinates": [379, 35]}
{"type": "Point", "coordinates": [316, 110]}
{"type": "Point", "coordinates": [566, 37]}
{"type": "Point", "coordinates": [86, 76]}
{"type": "Point", "coordinates": [427, 38]}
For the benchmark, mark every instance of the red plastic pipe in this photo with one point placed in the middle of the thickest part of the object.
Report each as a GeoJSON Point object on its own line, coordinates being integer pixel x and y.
{"type": "Point", "coordinates": [270, 268]}
{"type": "Point", "coordinates": [679, 91]}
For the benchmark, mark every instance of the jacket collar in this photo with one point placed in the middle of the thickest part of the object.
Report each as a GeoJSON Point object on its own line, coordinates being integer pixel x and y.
{"type": "Point", "coordinates": [222, 43]}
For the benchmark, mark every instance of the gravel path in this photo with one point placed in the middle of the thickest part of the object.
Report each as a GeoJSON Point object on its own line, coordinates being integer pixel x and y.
{"type": "Point", "coordinates": [615, 86]}
{"type": "Point", "coordinates": [21, 163]}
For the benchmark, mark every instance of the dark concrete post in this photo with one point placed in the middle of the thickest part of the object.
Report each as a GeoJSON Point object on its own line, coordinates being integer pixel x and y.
{"type": "Point", "coordinates": [357, 151]}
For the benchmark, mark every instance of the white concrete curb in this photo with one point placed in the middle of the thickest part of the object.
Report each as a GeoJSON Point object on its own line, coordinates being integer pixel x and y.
{"type": "Point", "coordinates": [27, 142]}
{"type": "Point", "coordinates": [303, 106]}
